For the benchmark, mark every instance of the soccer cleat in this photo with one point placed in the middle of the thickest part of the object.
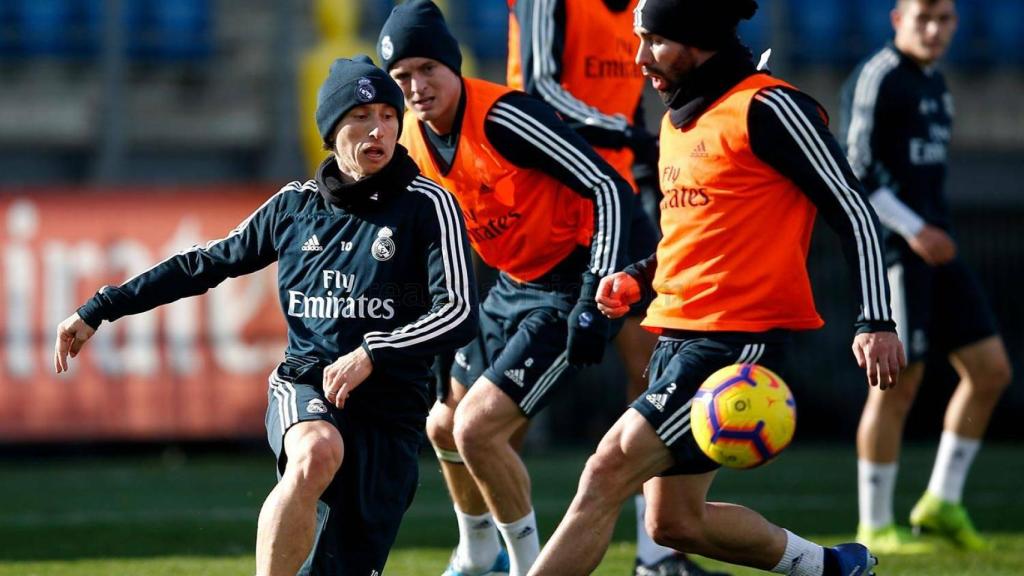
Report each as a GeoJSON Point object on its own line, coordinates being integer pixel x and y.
{"type": "Point", "coordinates": [500, 567]}
{"type": "Point", "coordinates": [855, 560]}
{"type": "Point", "coordinates": [674, 565]}
{"type": "Point", "coordinates": [892, 539]}
{"type": "Point", "coordinates": [946, 519]}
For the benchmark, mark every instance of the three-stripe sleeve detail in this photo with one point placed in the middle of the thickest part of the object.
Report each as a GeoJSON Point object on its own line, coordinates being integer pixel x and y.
{"type": "Point", "coordinates": [606, 198]}
{"type": "Point", "coordinates": [862, 110]}
{"type": "Point", "coordinates": [544, 67]}
{"type": "Point", "coordinates": [869, 250]}
{"type": "Point", "coordinates": [456, 276]}
{"type": "Point", "coordinates": [290, 187]}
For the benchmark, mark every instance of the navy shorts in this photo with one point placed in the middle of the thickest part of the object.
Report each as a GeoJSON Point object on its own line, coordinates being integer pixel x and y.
{"type": "Point", "coordinates": [938, 308]}
{"type": "Point", "coordinates": [679, 365]}
{"type": "Point", "coordinates": [520, 344]}
{"type": "Point", "coordinates": [361, 510]}
{"type": "Point", "coordinates": [643, 241]}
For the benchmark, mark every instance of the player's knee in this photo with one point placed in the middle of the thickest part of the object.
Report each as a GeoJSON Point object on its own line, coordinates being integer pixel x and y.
{"type": "Point", "coordinates": [898, 400]}
{"type": "Point", "coordinates": [471, 438]}
{"type": "Point", "coordinates": [605, 475]}
{"type": "Point", "coordinates": [440, 425]}
{"type": "Point", "coordinates": [317, 461]}
{"type": "Point", "coordinates": [996, 375]}
{"type": "Point", "coordinates": [673, 530]}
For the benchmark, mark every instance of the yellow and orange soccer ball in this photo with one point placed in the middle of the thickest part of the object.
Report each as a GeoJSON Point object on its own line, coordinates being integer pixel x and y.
{"type": "Point", "coordinates": [743, 416]}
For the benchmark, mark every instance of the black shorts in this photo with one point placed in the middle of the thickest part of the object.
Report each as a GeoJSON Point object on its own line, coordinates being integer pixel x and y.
{"type": "Point", "coordinates": [361, 510]}
{"type": "Point", "coordinates": [521, 343]}
{"type": "Point", "coordinates": [643, 241]}
{"type": "Point", "coordinates": [938, 309]}
{"type": "Point", "coordinates": [679, 365]}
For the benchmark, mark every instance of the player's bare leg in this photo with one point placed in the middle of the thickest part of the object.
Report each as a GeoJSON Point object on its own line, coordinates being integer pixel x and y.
{"type": "Point", "coordinates": [629, 454]}
{"type": "Point", "coordinates": [485, 423]}
{"type": "Point", "coordinates": [478, 536]}
{"type": "Point", "coordinates": [880, 430]}
{"type": "Point", "coordinates": [440, 430]}
{"type": "Point", "coordinates": [635, 345]}
{"type": "Point", "coordinates": [879, 437]}
{"type": "Point", "coordinates": [985, 372]}
{"type": "Point", "coordinates": [679, 516]}
{"type": "Point", "coordinates": [287, 520]}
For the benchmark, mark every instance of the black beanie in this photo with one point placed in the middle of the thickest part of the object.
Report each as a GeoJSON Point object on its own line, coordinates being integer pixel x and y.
{"type": "Point", "coordinates": [417, 29]}
{"type": "Point", "coordinates": [352, 83]}
{"type": "Point", "coordinates": [705, 24]}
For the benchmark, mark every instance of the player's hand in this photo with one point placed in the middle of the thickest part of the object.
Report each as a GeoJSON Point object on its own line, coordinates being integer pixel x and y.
{"type": "Point", "coordinates": [933, 245]}
{"type": "Point", "coordinates": [72, 334]}
{"type": "Point", "coordinates": [881, 355]}
{"type": "Point", "coordinates": [616, 293]}
{"type": "Point", "coordinates": [588, 328]}
{"type": "Point", "coordinates": [345, 375]}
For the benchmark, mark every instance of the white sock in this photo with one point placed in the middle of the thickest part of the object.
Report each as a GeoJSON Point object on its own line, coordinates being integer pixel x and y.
{"type": "Point", "coordinates": [478, 542]}
{"type": "Point", "coordinates": [801, 558]}
{"type": "Point", "coordinates": [648, 552]}
{"type": "Point", "coordinates": [952, 463]}
{"type": "Point", "coordinates": [523, 543]}
{"type": "Point", "coordinates": [876, 483]}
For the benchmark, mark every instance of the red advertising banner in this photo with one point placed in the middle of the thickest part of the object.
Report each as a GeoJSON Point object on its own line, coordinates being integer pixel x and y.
{"type": "Point", "coordinates": [193, 369]}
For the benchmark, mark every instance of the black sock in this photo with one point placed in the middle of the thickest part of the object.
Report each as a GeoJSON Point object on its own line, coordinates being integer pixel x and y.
{"type": "Point", "coordinates": [831, 563]}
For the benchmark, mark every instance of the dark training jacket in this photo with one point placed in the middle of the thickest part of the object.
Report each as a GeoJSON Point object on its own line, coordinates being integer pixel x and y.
{"type": "Point", "coordinates": [382, 263]}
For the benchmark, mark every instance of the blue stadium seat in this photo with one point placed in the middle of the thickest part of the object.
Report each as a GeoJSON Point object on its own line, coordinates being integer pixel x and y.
{"type": "Point", "coordinates": [42, 26]}
{"type": "Point", "coordinates": [756, 32]}
{"type": "Point", "coordinates": [820, 31]}
{"type": "Point", "coordinates": [9, 44]}
{"type": "Point", "coordinates": [85, 31]}
{"type": "Point", "coordinates": [184, 29]}
{"type": "Point", "coordinates": [1004, 29]}
{"type": "Point", "coordinates": [168, 30]}
{"type": "Point", "coordinates": [875, 20]}
{"type": "Point", "coordinates": [967, 48]}
{"type": "Point", "coordinates": [487, 25]}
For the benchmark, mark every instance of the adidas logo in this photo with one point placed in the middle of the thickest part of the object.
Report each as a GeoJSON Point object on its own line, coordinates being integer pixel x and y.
{"type": "Point", "coordinates": [700, 151]}
{"type": "Point", "coordinates": [312, 245]}
{"type": "Point", "coordinates": [658, 400]}
{"type": "Point", "coordinates": [524, 532]}
{"type": "Point", "coordinates": [516, 375]}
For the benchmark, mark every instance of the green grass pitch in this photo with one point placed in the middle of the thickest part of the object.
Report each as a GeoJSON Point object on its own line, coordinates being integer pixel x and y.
{"type": "Point", "coordinates": [178, 515]}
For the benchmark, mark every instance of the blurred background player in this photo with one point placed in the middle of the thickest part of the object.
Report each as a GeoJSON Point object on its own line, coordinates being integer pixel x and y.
{"type": "Point", "coordinates": [898, 117]}
{"type": "Point", "coordinates": [553, 217]}
{"type": "Point", "coordinates": [577, 55]}
{"type": "Point", "coordinates": [746, 161]}
{"type": "Point", "coordinates": [347, 406]}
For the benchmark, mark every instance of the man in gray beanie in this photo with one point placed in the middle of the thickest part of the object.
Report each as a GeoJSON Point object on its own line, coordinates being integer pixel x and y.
{"type": "Point", "coordinates": [740, 153]}
{"type": "Point", "coordinates": [374, 280]}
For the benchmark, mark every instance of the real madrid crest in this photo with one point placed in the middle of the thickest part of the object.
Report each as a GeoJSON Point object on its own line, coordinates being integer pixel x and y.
{"type": "Point", "coordinates": [383, 247]}
{"type": "Point", "coordinates": [387, 49]}
{"type": "Point", "coordinates": [365, 90]}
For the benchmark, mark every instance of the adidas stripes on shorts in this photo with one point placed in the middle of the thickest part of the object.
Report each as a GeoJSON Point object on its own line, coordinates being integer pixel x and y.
{"type": "Point", "coordinates": [521, 343]}
{"type": "Point", "coordinates": [359, 513]}
{"type": "Point", "coordinates": [679, 365]}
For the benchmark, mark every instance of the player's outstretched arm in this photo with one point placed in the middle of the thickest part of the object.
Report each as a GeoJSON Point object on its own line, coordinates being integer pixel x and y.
{"type": "Point", "coordinates": [72, 334]}
{"type": "Point", "coordinates": [882, 357]}
{"type": "Point", "coordinates": [616, 293]}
